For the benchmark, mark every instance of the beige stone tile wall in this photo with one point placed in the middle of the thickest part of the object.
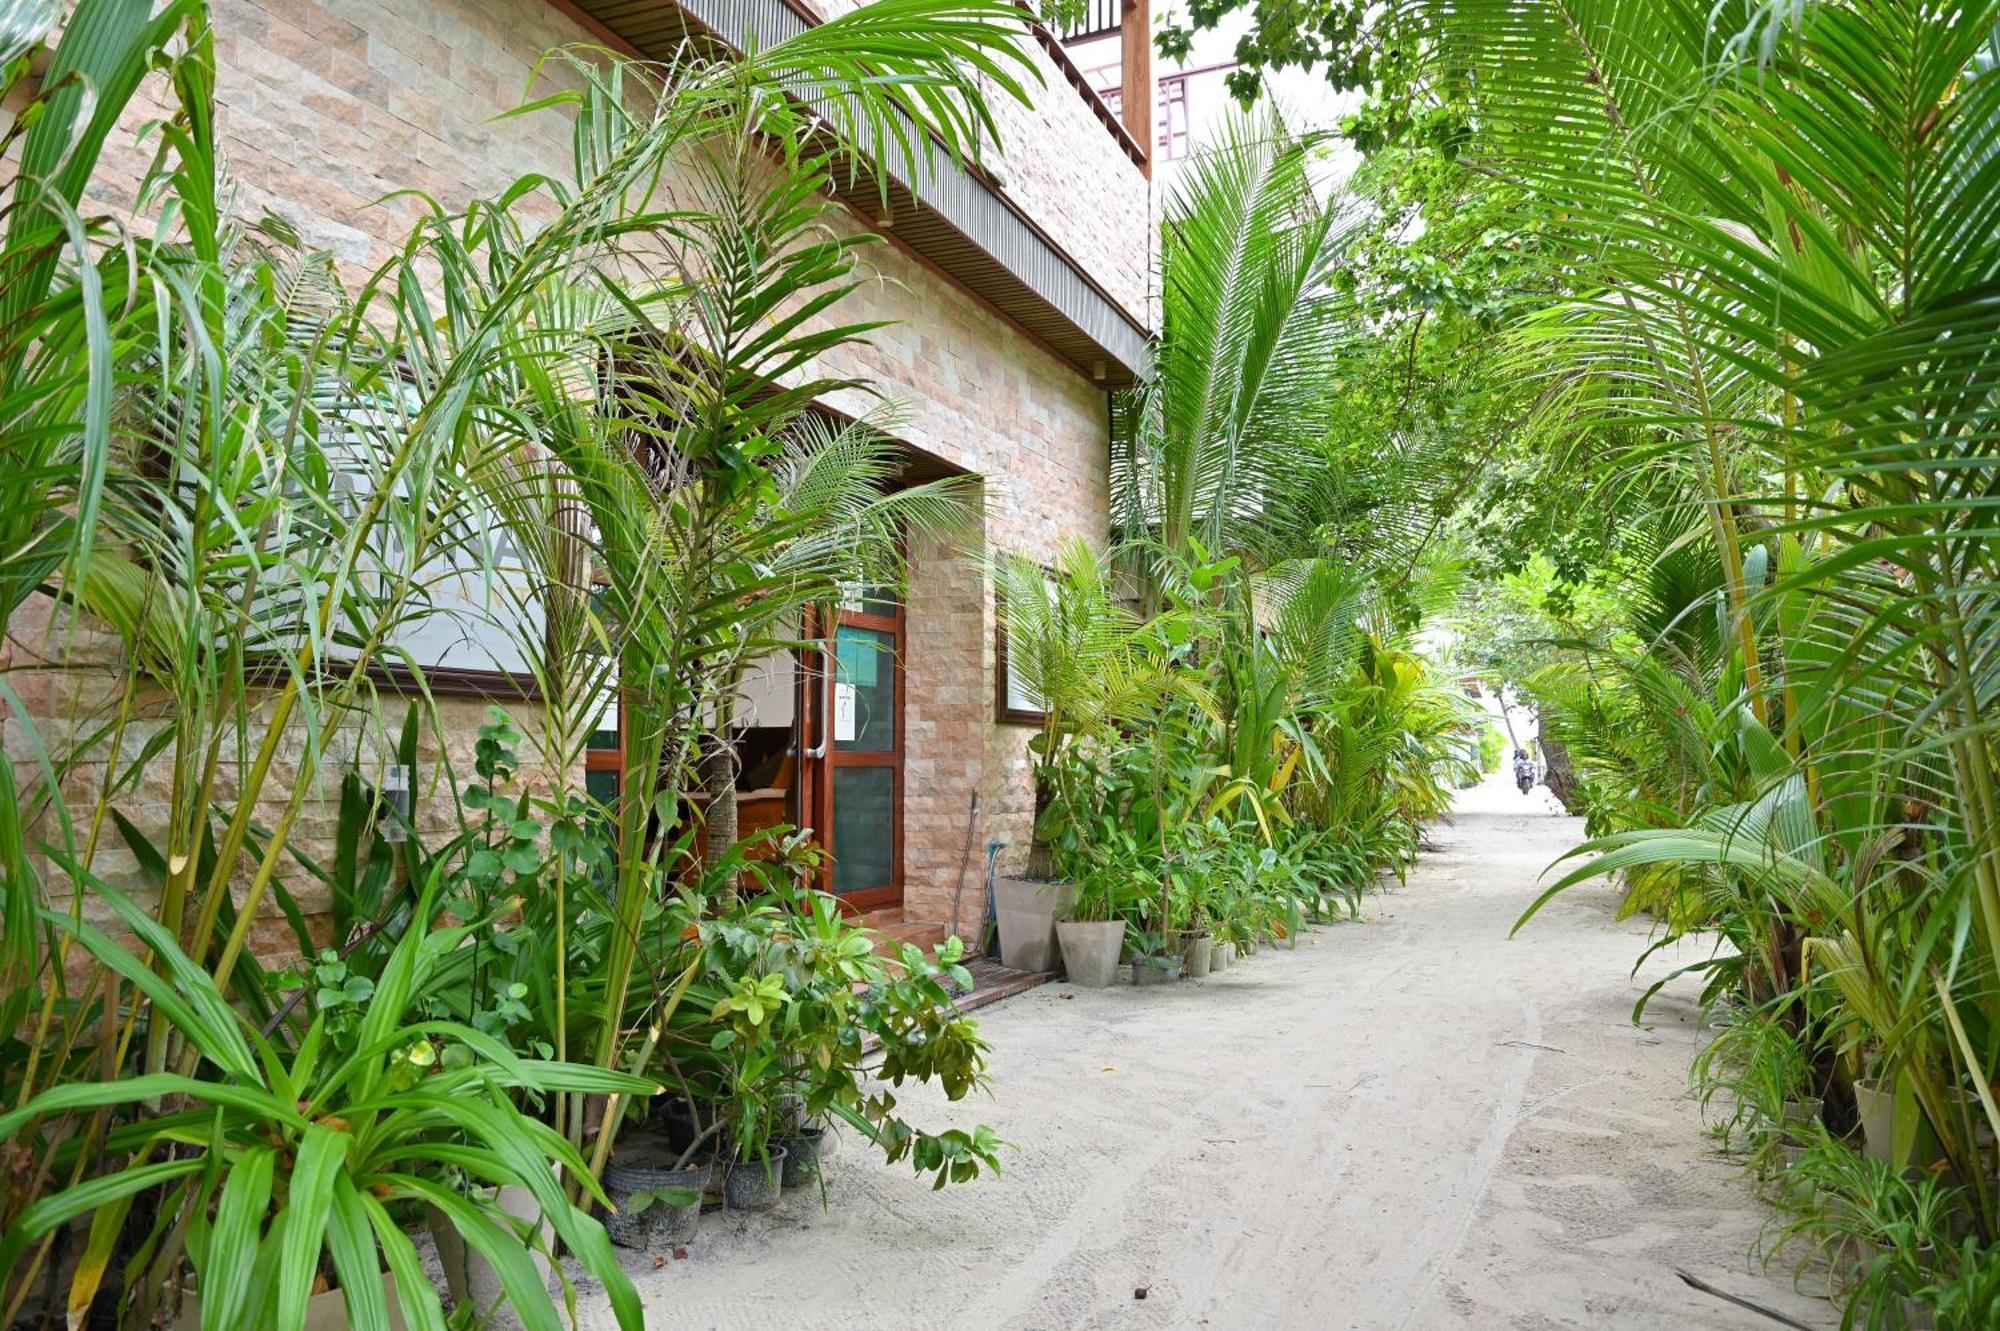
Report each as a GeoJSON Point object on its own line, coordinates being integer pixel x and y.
{"type": "Point", "coordinates": [1061, 166]}
{"type": "Point", "coordinates": [327, 105]}
{"type": "Point", "coordinates": [90, 715]}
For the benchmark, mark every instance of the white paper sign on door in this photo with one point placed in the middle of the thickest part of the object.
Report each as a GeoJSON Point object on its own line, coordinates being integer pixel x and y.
{"type": "Point", "coordinates": [843, 713]}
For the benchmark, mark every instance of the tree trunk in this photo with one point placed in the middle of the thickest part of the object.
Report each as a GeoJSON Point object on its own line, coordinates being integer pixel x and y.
{"type": "Point", "coordinates": [1559, 776]}
{"type": "Point", "coordinates": [718, 783]}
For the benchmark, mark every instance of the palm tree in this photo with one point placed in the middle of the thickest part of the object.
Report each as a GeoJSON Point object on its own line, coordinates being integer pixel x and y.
{"type": "Point", "coordinates": [1228, 422]}
{"type": "Point", "coordinates": [1781, 223]}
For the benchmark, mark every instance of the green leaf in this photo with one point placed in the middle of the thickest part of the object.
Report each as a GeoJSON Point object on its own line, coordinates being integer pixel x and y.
{"type": "Point", "coordinates": [39, 1217]}
{"type": "Point", "coordinates": [352, 1241]}
{"type": "Point", "coordinates": [416, 1297]}
{"type": "Point", "coordinates": [309, 1200]}
{"type": "Point", "coordinates": [186, 995]}
{"type": "Point", "coordinates": [236, 1240]}
{"type": "Point", "coordinates": [526, 1295]}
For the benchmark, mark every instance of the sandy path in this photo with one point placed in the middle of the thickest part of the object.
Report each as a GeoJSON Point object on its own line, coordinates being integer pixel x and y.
{"type": "Point", "coordinates": [1411, 1122]}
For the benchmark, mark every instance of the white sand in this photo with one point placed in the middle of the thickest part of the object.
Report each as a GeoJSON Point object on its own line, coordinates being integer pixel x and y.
{"type": "Point", "coordinates": [1410, 1122]}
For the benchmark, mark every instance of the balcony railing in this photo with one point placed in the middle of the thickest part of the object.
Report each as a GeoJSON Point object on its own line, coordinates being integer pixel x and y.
{"type": "Point", "coordinates": [1077, 79]}
{"type": "Point", "coordinates": [1099, 18]}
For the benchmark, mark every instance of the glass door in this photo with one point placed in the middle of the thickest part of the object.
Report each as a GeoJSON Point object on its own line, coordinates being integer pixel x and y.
{"type": "Point", "coordinates": [864, 729]}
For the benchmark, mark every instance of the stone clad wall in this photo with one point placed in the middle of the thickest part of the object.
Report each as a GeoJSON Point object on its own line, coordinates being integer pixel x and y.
{"type": "Point", "coordinates": [1063, 169]}
{"type": "Point", "coordinates": [72, 681]}
{"type": "Point", "coordinates": [325, 106]}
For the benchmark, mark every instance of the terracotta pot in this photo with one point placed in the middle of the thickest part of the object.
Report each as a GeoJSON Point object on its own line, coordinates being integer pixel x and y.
{"type": "Point", "coordinates": [1027, 912]}
{"type": "Point", "coordinates": [1090, 951]}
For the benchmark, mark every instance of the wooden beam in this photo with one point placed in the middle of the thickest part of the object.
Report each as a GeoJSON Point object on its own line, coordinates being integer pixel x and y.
{"type": "Point", "coordinates": [1136, 93]}
{"type": "Point", "coordinates": [1137, 90]}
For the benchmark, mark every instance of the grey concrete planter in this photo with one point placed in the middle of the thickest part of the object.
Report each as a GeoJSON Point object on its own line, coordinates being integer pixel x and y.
{"type": "Point", "coordinates": [1199, 956]}
{"type": "Point", "coordinates": [1027, 911]}
{"type": "Point", "coordinates": [1090, 951]}
{"type": "Point", "coordinates": [469, 1277]}
{"type": "Point", "coordinates": [1881, 1121]}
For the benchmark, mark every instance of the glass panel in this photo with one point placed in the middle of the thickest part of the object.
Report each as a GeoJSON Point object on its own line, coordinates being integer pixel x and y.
{"type": "Point", "coordinates": [605, 736]}
{"type": "Point", "coordinates": [864, 827]}
{"type": "Point", "coordinates": [601, 786]}
{"type": "Point", "coordinates": [869, 598]}
{"type": "Point", "coordinates": [864, 691]}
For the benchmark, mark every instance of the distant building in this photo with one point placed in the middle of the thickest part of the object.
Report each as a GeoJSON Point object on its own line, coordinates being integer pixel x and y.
{"type": "Point", "coordinates": [1192, 98]}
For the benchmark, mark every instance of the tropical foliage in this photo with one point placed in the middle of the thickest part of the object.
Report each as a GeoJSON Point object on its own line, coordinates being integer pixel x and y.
{"type": "Point", "coordinates": [239, 484]}
{"type": "Point", "coordinates": [1239, 727]}
{"type": "Point", "coordinates": [1756, 317]}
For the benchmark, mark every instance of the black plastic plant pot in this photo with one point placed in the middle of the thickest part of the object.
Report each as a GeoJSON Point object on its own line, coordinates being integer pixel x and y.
{"type": "Point", "coordinates": [754, 1184]}
{"type": "Point", "coordinates": [802, 1156]}
{"type": "Point", "coordinates": [675, 1120]}
{"type": "Point", "coordinates": [641, 1171]}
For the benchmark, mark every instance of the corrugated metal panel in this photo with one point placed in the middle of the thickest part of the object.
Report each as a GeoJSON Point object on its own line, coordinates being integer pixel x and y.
{"type": "Point", "coordinates": [943, 212]}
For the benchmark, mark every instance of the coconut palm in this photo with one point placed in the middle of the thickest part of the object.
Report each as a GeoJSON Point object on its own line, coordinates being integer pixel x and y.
{"type": "Point", "coordinates": [1227, 424]}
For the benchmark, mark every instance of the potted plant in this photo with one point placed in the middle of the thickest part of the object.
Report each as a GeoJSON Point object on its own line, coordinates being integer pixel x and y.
{"type": "Point", "coordinates": [1025, 912]}
{"type": "Point", "coordinates": [655, 1190]}
{"type": "Point", "coordinates": [1220, 950]}
{"type": "Point", "coordinates": [1197, 951]}
{"type": "Point", "coordinates": [791, 1020]}
{"type": "Point", "coordinates": [1156, 958]}
{"type": "Point", "coordinates": [1093, 937]}
{"type": "Point", "coordinates": [759, 1084]}
{"type": "Point", "coordinates": [804, 1147]}
{"type": "Point", "coordinates": [1070, 648]}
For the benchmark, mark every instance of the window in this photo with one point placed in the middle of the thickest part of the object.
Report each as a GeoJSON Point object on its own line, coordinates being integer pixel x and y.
{"type": "Point", "coordinates": [468, 611]}
{"type": "Point", "coordinates": [1014, 703]}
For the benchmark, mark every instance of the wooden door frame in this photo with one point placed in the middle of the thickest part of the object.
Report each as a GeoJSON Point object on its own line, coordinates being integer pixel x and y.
{"type": "Point", "coordinates": [815, 774]}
